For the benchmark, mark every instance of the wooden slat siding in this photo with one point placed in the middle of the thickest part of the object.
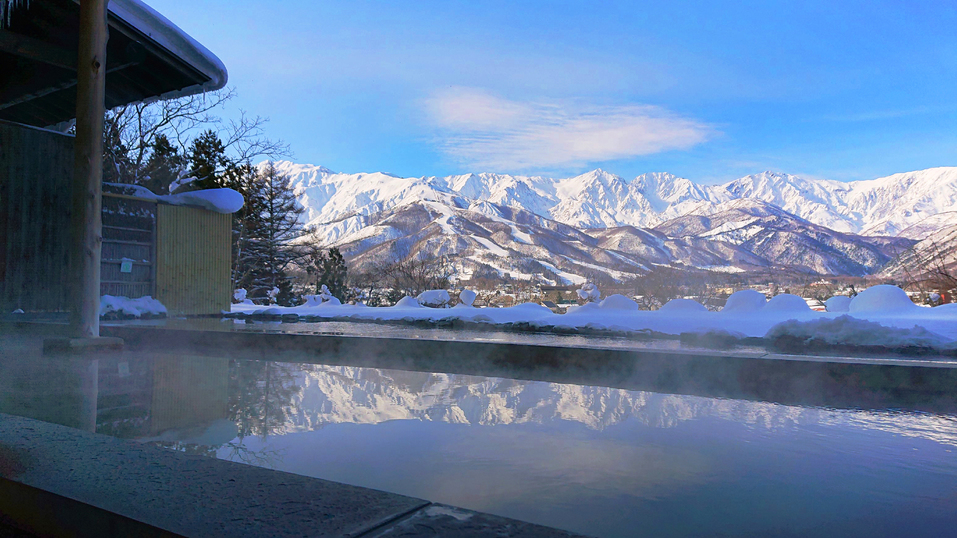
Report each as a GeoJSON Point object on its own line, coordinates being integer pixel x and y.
{"type": "Point", "coordinates": [36, 167]}
{"type": "Point", "coordinates": [193, 258]}
{"type": "Point", "coordinates": [128, 228]}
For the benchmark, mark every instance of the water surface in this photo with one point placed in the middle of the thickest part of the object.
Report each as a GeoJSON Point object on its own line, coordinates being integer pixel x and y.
{"type": "Point", "coordinates": [601, 461]}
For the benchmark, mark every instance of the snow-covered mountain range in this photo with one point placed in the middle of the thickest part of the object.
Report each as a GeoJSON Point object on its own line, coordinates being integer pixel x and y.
{"type": "Point", "coordinates": [532, 225]}
{"type": "Point", "coordinates": [599, 199]}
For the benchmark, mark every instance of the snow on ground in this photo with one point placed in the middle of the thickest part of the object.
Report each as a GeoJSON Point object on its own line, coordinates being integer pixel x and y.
{"type": "Point", "coordinates": [747, 313]}
{"type": "Point", "coordinates": [124, 306]}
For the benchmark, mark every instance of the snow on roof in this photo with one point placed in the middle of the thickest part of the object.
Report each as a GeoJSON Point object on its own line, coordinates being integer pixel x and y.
{"type": "Point", "coordinates": [219, 200]}
{"type": "Point", "coordinates": [160, 30]}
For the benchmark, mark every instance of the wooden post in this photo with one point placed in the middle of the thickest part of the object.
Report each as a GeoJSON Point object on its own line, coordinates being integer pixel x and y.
{"type": "Point", "coordinates": [86, 219]}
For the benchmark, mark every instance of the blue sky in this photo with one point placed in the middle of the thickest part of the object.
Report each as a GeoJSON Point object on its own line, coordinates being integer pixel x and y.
{"type": "Point", "coordinates": [710, 91]}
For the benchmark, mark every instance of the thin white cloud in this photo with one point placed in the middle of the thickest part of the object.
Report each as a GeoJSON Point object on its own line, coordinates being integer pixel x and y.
{"type": "Point", "coordinates": [486, 131]}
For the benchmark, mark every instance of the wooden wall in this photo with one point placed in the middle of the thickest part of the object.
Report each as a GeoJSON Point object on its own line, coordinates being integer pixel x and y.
{"type": "Point", "coordinates": [128, 228]}
{"type": "Point", "coordinates": [185, 262]}
{"type": "Point", "coordinates": [193, 260]}
{"type": "Point", "coordinates": [36, 171]}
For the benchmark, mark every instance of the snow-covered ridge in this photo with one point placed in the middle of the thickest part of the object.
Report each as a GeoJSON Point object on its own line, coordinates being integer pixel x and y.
{"type": "Point", "coordinates": [600, 199]}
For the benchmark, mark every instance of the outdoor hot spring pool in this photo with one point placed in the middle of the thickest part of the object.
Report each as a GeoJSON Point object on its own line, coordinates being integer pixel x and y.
{"type": "Point", "coordinates": [601, 461]}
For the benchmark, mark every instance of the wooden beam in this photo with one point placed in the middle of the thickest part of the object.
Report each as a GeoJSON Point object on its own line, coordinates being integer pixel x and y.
{"type": "Point", "coordinates": [35, 49]}
{"type": "Point", "coordinates": [86, 219]}
{"type": "Point", "coordinates": [53, 89]}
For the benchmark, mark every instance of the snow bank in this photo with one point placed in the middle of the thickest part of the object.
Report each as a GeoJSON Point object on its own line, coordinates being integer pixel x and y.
{"type": "Point", "coordinates": [847, 330]}
{"type": "Point", "coordinates": [750, 315]}
{"type": "Point", "coordinates": [744, 301]}
{"type": "Point", "coordinates": [883, 298]}
{"type": "Point", "coordinates": [683, 305]}
{"type": "Point", "coordinates": [126, 307]}
{"type": "Point", "coordinates": [787, 303]}
{"type": "Point", "coordinates": [839, 303]}
{"type": "Point", "coordinates": [618, 302]}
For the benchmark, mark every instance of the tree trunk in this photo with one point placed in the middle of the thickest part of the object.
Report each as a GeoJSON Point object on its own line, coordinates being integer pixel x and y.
{"type": "Point", "coordinates": [88, 170]}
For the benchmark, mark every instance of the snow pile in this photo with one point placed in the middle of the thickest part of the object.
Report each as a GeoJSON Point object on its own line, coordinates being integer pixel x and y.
{"type": "Point", "coordinates": [847, 330]}
{"type": "Point", "coordinates": [744, 301]}
{"type": "Point", "coordinates": [839, 303]}
{"type": "Point", "coordinates": [683, 305]}
{"type": "Point", "coordinates": [618, 302]}
{"type": "Point", "coordinates": [883, 298]}
{"type": "Point", "coordinates": [787, 303]}
{"type": "Point", "coordinates": [434, 298]}
{"type": "Point", "coordinates": [407, 302]}
{"type": "Point", "coordinates": [467, 297]}
{"type": "Point", "coordinates": [125, 307]}
{"type": "Point", "coordinates": [589, 292]}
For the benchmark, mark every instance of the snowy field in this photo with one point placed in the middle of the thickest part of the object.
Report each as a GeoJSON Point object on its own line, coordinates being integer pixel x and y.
{"type": "Point", "coordinates": [879, 316]}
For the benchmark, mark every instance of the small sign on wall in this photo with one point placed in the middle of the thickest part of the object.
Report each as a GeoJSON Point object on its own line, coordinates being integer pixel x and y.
{"type": "Point", "coordinates": [126, 265]}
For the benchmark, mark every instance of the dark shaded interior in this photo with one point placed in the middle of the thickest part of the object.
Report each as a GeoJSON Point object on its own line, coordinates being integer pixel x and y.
{"type": "Point", "coordinates": [38, 52]}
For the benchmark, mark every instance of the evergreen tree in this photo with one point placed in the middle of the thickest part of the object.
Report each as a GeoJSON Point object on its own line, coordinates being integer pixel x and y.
{"type": "Point", "coordinates": [271, 225]}
{"type": "Point", "coordinates": [329, 269]}
{"type": "Point", "coordinates": [163, 165]}
{"type": "Point", "coordinates": [117, 165]}
{"type": "Point", "coordinates": [207, 160]}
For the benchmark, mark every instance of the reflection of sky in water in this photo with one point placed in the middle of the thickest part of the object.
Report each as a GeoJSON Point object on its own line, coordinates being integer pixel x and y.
{"type": "Point", "coordinates": [616, 462]}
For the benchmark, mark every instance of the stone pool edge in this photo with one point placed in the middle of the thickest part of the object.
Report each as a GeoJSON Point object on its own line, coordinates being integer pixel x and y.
{"type": "Point", "coordinates": [60, 481]}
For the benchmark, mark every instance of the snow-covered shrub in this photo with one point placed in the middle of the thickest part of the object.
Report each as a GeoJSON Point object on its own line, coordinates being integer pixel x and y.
{"type": "Point", "coordinates": [883, 298]}
{"type": "Point", "coordinates": [787, 303]}
{"type": "Point", "coordinates": [745, 301]}
{"type": "Point", "coordinates": [407, 302]}
{"type": "Point", "coordinates": [683, 305]}
{"type": "Point", "coordinates": [272, 294]}
{"type": "Point", "coordinates": [434, 298]}
{"type": "Point", "coordinates": [838, 303]}
{"type": "Point", "coordinates": [618, 302]}
{"type": "Point", "coordinates": [239, 296]}
{"type": "Point", "coordinates": [323, 298]}
{"type": "Point", "coordinates": [589, 292]}
{"type": "Point", "coordinates": [467, 297]}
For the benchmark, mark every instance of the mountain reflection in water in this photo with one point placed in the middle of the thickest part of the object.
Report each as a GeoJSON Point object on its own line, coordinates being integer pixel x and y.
{"type": "Point", "coordinates": [607, 461]}
{"type": "Point", "coordinates": [602, 461]}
